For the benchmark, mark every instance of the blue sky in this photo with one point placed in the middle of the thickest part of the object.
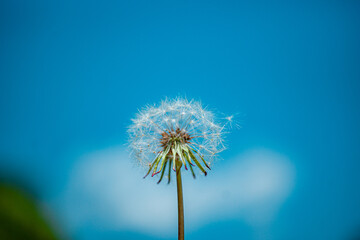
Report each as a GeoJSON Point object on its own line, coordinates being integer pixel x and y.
{"type": "Point", "coordinates": [73, 74]}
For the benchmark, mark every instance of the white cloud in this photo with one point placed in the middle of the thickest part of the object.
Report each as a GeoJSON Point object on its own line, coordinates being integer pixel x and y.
{"type": "Point", "coordinates": [106, 190]}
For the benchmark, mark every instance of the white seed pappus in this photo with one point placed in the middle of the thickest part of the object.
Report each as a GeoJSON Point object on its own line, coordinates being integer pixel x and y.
{"type": "Point", "coordinates": [146, 132]}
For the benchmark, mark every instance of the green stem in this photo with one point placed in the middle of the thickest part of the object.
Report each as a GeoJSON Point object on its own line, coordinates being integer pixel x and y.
{"type": "Point", "coordinates": [180, 202]}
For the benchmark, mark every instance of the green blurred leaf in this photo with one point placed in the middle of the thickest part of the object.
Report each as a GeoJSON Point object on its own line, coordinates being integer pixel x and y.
{"type": "Point", "coordinates": [20, 218]}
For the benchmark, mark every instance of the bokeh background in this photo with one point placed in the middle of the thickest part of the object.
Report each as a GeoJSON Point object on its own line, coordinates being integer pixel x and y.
{"type": "Point", "coordinates": [73, 74]}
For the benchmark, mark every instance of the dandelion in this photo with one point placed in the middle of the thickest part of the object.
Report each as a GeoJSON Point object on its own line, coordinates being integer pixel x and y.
{"type": "Point", "coordinates": [177, 133]}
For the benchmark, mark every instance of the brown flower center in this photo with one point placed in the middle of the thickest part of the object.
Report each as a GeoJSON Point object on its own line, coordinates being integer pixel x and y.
{"type": "Point", "coordinates": [172, 136]}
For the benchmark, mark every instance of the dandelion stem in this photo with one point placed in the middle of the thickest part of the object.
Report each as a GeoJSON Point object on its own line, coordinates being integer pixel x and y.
{"type": "Point", "coordinates": [180, 201]}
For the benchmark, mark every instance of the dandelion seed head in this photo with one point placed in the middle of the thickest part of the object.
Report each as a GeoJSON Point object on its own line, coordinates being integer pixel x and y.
{"type": "Point", "coordinates": [171, 129]}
